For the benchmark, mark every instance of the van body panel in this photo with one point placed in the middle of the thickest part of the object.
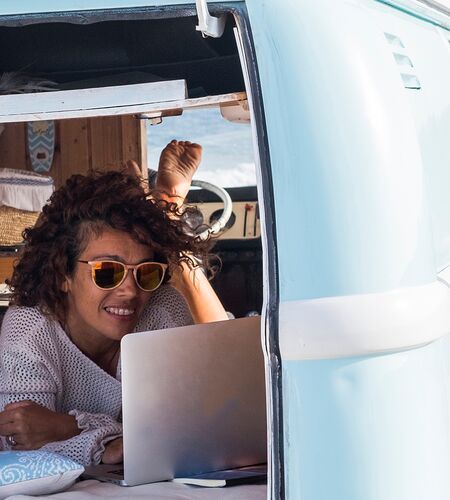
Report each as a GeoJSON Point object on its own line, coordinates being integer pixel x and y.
{"type": "Point", "coordinates": [368, 428]}
{"type": "Point", "coordinates": [31, 7]}
{"type": "Point", "coordinates": [356, 220]}
{"type": "Point", "coordinates": [428, 48]}
{"type": "Point", "coordinates": [351, 203]}
{"type": "Point", "coordinates": [429, 55]}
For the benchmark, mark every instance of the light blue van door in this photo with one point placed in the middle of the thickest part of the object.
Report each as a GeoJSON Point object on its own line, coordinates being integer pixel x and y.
{"type": "Point", "coordinates": [357, 109]}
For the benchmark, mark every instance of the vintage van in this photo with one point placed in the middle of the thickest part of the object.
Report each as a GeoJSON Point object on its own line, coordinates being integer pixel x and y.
{"type": "Point", "coordinates": [344, 247]}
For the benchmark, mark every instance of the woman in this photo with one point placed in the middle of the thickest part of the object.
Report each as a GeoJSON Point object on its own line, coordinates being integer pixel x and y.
{"type": "Point", "coordinates": [93, 269]}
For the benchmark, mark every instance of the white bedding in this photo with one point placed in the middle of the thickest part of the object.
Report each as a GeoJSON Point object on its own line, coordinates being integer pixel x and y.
{"type": "Point", "coordinates": [93, 490]}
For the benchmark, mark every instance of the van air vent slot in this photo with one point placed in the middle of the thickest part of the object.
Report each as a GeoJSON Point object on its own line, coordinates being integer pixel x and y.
{"type": "Point", "coordinates": [404, 62]}
{"type": "Point", "coordinates": [410, 81]}
{"type": "Point", "coordinates": [394, 40]}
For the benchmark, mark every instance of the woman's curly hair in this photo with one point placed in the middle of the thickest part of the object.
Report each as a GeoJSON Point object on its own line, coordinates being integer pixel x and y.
{"type": "Point", "coordinates": [86, 205]}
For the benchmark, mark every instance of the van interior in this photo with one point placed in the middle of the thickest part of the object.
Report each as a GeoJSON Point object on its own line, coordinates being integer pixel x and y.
{"type": "Point", "coordinates": [116, 54]}
{"type": "Point", "coordinates": [112, 92]}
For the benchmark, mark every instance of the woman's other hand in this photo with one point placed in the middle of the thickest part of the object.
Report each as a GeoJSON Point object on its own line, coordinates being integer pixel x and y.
{"type": "Point", "coordinates": [133, 169]}
{"type": "Point", "coordinates": [113, 453]}
{"type": "Point", "coordinates": [32, 426]}
{"type": "Point", "coordinates": [177, 165]}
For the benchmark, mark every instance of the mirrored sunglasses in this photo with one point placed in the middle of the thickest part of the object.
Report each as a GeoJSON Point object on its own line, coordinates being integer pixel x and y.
{"type": "Point", "coordinates": [109, 274]}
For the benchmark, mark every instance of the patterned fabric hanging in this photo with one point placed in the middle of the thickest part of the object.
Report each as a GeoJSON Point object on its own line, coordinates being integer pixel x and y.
{"type": "Point", "coordinates": [41, 145]}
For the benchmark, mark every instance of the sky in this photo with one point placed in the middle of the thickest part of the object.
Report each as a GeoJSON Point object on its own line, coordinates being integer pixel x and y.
{"type": "Point", "coordinates": [227, 147]}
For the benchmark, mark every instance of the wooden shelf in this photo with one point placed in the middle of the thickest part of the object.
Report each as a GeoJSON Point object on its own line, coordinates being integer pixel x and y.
{"type": "Point", "coordinates": [103, 101]}
{"type": "Point", "coordinates": [153, 99]}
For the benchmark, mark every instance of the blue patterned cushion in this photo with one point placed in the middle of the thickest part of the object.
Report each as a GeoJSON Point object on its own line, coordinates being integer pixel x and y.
{"type": "Point", "coordinates": [35, 472]}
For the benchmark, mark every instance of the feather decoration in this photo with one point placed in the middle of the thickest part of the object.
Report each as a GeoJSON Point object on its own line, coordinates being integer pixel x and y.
{"type": "Point", "coordinates": [14, 82]}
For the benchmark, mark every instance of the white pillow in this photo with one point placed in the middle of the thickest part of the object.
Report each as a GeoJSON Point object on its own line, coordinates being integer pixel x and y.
{"type": "Point", "coordinates": [35, 472]}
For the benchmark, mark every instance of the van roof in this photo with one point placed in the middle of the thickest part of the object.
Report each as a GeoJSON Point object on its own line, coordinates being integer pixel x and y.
{"type": "Point", "coordinates": [46, 6]}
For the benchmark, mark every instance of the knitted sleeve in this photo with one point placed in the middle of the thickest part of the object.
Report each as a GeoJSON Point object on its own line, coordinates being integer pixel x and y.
{"type": "Point", "coordinates": [166, 308]}
{"type": "Point", "coordinates": [87, 448]}
{"type": "Point", "coordinates": [30, 369]}
{"type": "Point", "coordinates": [26, 370]}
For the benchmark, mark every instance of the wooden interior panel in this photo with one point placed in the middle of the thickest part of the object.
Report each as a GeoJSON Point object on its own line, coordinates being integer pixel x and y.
{"type": "Point", "coordinates": [82, 143]}
{"type": "Point", "coordinates": [55, 170]}
{"type": "Point", "coordinates": [131, 140]}
{"type": "Point", "coordinates": [106, 143]}
{"type": "Point", "coordinates": [73, 149]}
{"type": "Point", "coordinates": [6, 267]}
{"type": "Point", "coordinates": [13, 153]}
{"type": "Point", "coordinates": [142, 147]}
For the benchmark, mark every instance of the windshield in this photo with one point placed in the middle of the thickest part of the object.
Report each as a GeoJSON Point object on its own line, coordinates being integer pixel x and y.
{"type": "Point", "coordinates": [227, 147]}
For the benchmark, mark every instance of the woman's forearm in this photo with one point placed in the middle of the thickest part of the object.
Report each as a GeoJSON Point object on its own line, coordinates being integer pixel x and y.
{"type": "Point", "coordinates": [202, 300]}
{"type": "Point", "coordinates": [68, 427]}
{"type": "Point", "coordinates": [178, 162]}
{"type": "Point", "coordinates": [33, 425]}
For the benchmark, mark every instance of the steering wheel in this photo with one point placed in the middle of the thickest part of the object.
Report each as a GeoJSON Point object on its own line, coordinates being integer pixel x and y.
{"type": "Point", "coordinates": [218, 225]}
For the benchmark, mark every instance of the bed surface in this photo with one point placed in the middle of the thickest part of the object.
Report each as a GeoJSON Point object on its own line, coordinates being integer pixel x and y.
{"type": "Point", "coordinates": [92, 489]}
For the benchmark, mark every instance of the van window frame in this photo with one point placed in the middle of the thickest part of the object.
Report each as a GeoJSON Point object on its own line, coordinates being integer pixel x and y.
{"type": "Point", "coordinates": [265, 190]}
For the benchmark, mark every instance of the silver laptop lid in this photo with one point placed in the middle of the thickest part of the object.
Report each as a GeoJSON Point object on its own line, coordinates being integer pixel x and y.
{"type": "Point", "coordinates": [193, 400]}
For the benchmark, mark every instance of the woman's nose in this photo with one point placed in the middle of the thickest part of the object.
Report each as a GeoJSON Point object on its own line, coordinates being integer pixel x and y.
{"type": "Point", "coordinates": [129, 286]}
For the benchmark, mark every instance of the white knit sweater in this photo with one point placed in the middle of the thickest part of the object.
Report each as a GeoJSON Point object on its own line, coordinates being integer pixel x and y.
{"type": "Point", "coordinates": [39, 362]}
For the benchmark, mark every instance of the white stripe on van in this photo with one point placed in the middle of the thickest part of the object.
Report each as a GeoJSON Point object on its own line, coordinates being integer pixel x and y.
{"type": "Point", "coordinates": [357, 325]}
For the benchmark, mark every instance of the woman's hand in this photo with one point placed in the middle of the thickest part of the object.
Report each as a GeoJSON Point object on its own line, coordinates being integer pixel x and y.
{"type": "Point", "coordinates": [113, 453]}
{"type": "Point", "coordinates": [177, 165]}
{"type": "Point", "coordinates": [32, 426]}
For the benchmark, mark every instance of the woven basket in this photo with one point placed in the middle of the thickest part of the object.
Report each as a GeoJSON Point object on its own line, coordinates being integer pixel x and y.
{"type": "Point", "coordinates": [22, 195]}
{"type": "Point", "coordinates": [12, 223]}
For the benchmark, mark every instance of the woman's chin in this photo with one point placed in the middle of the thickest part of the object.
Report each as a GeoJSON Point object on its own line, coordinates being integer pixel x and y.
{"type": "Point", "coordinates": [119, 326]}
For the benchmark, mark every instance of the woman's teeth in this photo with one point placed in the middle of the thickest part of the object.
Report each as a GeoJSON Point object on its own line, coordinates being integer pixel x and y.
{"type": "Point", "coordinates": [119, 311]}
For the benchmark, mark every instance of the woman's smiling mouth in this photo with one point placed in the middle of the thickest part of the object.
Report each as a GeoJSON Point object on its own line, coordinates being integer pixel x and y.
{"type": "Point", "coordinates": [119, 311]}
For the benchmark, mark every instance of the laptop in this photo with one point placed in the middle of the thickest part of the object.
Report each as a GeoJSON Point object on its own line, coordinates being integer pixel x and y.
{"type": "Point", "coordinates": [193, 402]}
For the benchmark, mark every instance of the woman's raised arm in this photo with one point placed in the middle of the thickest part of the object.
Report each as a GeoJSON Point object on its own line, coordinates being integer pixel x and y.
{"type": "Point", "coordinates": [177, 165]}
{"type": "Point", "coordinates": [178, 162]}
